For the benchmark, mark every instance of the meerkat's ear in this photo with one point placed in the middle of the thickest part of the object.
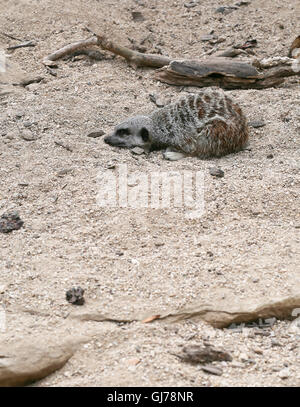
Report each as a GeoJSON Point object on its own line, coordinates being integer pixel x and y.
{"type": "Point", "coordinates": [144, 133]}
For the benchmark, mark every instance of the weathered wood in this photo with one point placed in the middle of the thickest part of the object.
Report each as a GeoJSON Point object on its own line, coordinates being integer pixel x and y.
{"type": "Point", "coordinates": [217, 71]}
{"type": "Point", "coordinates": [227, 74]}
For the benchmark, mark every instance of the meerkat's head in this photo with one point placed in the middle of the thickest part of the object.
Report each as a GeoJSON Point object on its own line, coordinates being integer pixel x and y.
{"type": "Point", "coordinates": [134, 132]}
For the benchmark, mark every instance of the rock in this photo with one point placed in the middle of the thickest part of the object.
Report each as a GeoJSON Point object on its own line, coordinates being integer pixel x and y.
{"type": "Point", "coordinates": [295, 326]}
{"type": "Point", "coordinates": [275, 343]}
{"type": "Point", "coordinates": [190, 4]}
{"type": "Point", "coordinates": [212, 370]}
{"type": "Point", "coordinates": [64, 172]}
{"type": "Point", "coordinates": [75, 296]}
{"type": "Point", "coordinates": [203, 354]}
{"type": "Point", "coordinates": [233, 312]}
{"type": "Point", "coordinates": [32, 87]}
{"type": "Point", "coordinates": [10, 221]}
{"type": "Point", "coordinates": [27, 124]}
{"type": "Point", "coordinates": [270, 321]}
{"type": "Point", "coordinates": [155, 99]}
{"type": "Point", "coordinates": [25, 362]}
{"type": "Point", "coordinates": [270, 156]}
{"type": "Point", "coordinates": [226, 9]}
{"type": "Point", "coordinates": [284, 373]}
{"type": "Point", "coordinates": [257, 123]}
{"type": "Point", "coordinates": [242, 3]}
{"type": "Point", "coordinates": [216, 172]}
{"type": "Point", "coordinates": [95, 134]}
{"type": "Point", "coordinates": [244, 357]}
{"type": "Point", "coordinates": [18, 115]}
{"type": "Point", "coordinates": [28, 136]}
{"type": "Point", "coordinates": [137, 16]}
{"type": "Point", "coordinates": [137, 151]}
{"type": "Point", "coordinates": [217, 315]}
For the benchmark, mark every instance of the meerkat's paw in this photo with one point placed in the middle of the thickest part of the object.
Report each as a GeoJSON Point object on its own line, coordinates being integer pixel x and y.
{"type": "Point", "coordinates": [173, 155]}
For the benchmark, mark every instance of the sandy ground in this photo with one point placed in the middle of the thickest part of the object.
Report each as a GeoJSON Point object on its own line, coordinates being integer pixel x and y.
{"type": "Point", "coordinates": [143, 261]}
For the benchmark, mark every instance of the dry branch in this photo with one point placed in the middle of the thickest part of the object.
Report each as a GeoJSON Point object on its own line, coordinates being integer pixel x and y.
{"type": "Point", "coordinates": [133, 57]}
{"type": "Point", "coordinates": [222, 72]}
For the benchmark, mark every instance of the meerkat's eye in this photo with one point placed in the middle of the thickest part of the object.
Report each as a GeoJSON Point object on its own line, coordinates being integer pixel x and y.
{"type": "Point", "coordinates": [144, 134]}
{"type": "Point", "coordinates": [123, 132]}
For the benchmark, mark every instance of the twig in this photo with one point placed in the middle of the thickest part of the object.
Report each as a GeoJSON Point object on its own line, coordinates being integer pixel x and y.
{"type": "Point", "coordinates": [68, 49]}
{"type": "Point", "coordinates": [61, 144]}
{"type": "Point", "coordinates": [134, 57]}
{"type": "Point", "coordinates": [23, 45]}
{"type": "Point", "coordinates": [10, 36]}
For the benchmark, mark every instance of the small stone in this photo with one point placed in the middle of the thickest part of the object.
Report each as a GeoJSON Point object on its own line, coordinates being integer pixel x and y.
{"type": "Point", "coordinates": [257, 123]}
{"type": "Point", "coordinates": [155, 99]}
{"type": "Point", "coordinates": [295, 326]}
{"type": "Point", "coordinates": [96, 134]}
{"type": "Point", "coordinates": [212, 370]}
{"type": "Point", "coordinates": [242, 3]}
{"type": "Point", "coordinates": [216, 172]}
{"type": "Point", "coordinates": [244, 357]}
{"type": "Point", "coordinates": [226, 10]}
{"type": "Point", "coordinates": [10, 221]}
{"type": "Point", "coordinates": [275, 343]}
{"type": "Point", "coordinates": [258, 351]}
{"type": "Point", "coordinates": [203, 354]}
{"type": "Point", "coordinates": [261, 332]}
{"type": "Point", "coordinates": [110, 166]}
{"type": "Point", "coordinates": [27, 124]}
{"type": "Point", "coordinates": [284, 373]}
{"type": "Point", "coordinates": [32, 87]}
{"type": "Point", "coordinates": [270, 156]}
{"type": "Point", "coordinates": [18, 115]}
{"type": "Point", "coordinates": [133, 362]}
{"type": "Point", "coordinates": [64, 172]}
{"type": "Point", "coordinates": [137, 151]}
{"type": "Point", "coordinates": [270, 321]}
{"type": "Point", "coordinates": [137, 16]}
{"type": "Point", "coordinates": [190, 4]}
{"type": "Point", "coordinates": [208, 37]}
{"type": "Point", "coordinates": [237, 365]}
{"type": "Point", "coordinates": [28, 136]}
{"type": "Point", "coordinates": [75, 296]}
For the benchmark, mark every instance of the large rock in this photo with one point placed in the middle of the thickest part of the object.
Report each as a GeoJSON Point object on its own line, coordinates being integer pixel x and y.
{"type": "Point", "coordinates": [26, 362]}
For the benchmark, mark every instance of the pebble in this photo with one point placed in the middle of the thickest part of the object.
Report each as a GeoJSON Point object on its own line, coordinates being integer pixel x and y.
{"type": "Point", "coordinates": [137, 16]}
{"type": "Point", "coordinates": [275, 343]}
{"type": "Point", "coordinates": [64, 172]}
{"type": "Point", "coordinates": [212, 369]}
{"type": "Point", "coordinates": [216, 172]}
{"type": "Point", "coordinates": [190, 4]}
{"type": "Point", "coordinates": [295, 326]}
{"type": "Point", "coordinates": [284, 373]}
{"type": "Point", "coordinates": [137, 151]}
{"type": "Point", "coordinates": [28, 136]}
{"type": "Point", "coordinates": [96, 134]}
{"type": "Point", "coordinates": [10, 221]}
{"type": "Point", "coordinates": [257, 123]}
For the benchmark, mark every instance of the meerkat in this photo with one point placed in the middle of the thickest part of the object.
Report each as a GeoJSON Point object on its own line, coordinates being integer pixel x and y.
{"type": "Point", "coordinates": [205, 124]}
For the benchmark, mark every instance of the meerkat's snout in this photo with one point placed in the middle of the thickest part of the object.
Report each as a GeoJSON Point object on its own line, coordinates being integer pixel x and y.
{"type": "Point", "coordinates": [132, 133]}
